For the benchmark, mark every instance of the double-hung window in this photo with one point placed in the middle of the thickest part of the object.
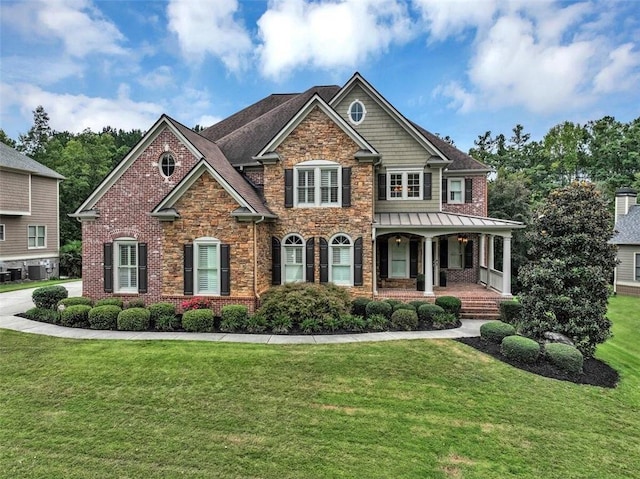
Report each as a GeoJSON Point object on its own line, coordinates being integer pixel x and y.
{"type": "Point", "coordinates": [207, 267]}
{"type": "Point", "coordinates": [637, 268]}
{"type": "Point", "coordinates": [317, 184]}
{"type": "Point", "coordinates": [456, 190]}
{"type": "Point", "coordinates": [404, 184]}
{"type": "Point", "coordinates": [293, 259]}
{"type": "Point", "coordinates": [127, 266]}
{"type": "Point", "coordinates": [341, 261]}
{"type": "Point", "coordinates": [36, 236]}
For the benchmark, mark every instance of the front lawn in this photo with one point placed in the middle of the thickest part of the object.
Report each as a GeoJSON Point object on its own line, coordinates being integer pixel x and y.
{"type": "Point", "coordinates": [404, 409]}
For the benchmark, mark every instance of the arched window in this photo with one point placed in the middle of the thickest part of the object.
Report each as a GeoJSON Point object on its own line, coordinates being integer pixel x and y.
{"type": "Point", "coordinates": [357, 112]}
{"type": "Point", "coordinates": [167, 165]}
{"type": "Point", "coordinates": [293, 259]}
{"type": "Point", "coordinates": [341, 260]}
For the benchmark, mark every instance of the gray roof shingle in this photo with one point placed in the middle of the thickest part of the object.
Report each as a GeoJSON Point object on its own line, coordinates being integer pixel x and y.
{"type": "Point", "coordinates": [627, 229]}
{"type": "Point", "coordinates": [13, 159]}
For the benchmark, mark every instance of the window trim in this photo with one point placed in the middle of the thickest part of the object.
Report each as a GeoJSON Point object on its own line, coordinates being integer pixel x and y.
{"type": "Point", "coordinates": [405, 172]}
{"type": "Point", "coordinates": [636, 267]}
{"type": "Point", "coordinates": [167, 154]}
{"type": "Point", "coordinates": [283, 258]}
{"type": "Point", "coordinates": [393, 244]}
{"type": "Point", "coordinates": [350, 112]}
{"type": "Point", "coordinates": [116, 265]}
{"type": "Point", "coordinates": [44, 237]}
{"type": "Point", "coordinates": [197, 243]}
{"type": "Point", "coordinates": [351, 258]}
{"type": "Point", "coordinates": [317, 167]}
{"type": "Point", "coordinates": [2, 231]}
{"type": "Point", "coordinates": [450, 200]}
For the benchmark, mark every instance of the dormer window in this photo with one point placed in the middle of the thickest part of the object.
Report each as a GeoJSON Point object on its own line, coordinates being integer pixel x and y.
{"type": "Point", "coordinates": [357, 112]}
{"type": "Point", "coordinates": [167, 165]}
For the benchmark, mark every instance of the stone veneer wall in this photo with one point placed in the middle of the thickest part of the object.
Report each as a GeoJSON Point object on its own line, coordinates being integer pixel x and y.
{"type": "Point", "coordinates": [479, 205]}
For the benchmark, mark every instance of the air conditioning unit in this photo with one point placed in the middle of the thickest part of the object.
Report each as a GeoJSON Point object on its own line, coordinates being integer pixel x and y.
{"type": "Point", "coordinates": [37, 272]}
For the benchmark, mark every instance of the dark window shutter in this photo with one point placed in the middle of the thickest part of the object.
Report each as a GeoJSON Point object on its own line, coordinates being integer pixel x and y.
{"type": "Point", "coordinates": [413, 258]}
{"type": "Point", "coordinates": [444, 252]}
{"type": "Point", "coordinates": [324, 261]}
{"type": "Point", "coordinates": [276, 265]}
{"type": "Point", "coordinates": [357, 262]}
{"type": "Point", "coordinates": [384, 258]}
{"type": "Point", "coordinates": [288, 188]}
{"type": "Point", "coordinates": [142, 268]}
{"type": "Point", "coordinates": [225, 270]}
{"type": "Point", "coordinates": [468, 255]}
{"type": "Point", "coordinates": [346, 187]}
{"type": "Point", "coordinates": [188, 269]}
{"type": "Point", "coordinates": [107, 269]}
{"type": "Point", "coordinates": [427, 186]}
{"type": "Point", "coordinates": [382, 186]}
{"type": "Point", "coordinates": [445, 193]}
{"type": "Point", "coordinates": [310, 254]}
{"type": "Point", "coordinates": [468, 190]}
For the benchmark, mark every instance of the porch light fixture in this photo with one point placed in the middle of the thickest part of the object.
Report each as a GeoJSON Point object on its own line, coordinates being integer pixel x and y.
{"type": "Point", "coordinates": [462, 238]}
{"type": "Point", "coordinates": [398, 240]}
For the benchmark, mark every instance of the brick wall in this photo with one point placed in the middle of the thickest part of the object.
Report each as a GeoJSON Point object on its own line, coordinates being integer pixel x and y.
{"type": "Point", "coordinates": [479, 205]}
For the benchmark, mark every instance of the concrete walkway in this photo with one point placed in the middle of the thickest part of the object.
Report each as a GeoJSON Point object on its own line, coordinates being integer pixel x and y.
{"type": "Point", "coordinates": [20, 301]}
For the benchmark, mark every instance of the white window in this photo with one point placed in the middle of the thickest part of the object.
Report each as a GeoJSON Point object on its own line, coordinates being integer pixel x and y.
{"type": "Point", "coordinates": [1, 232]}
{"type": "Point", "coordinates": [126, 266]}
{"type": "Point", "coordinates": [167, 165]}
{"type": "Point", "coordinates": [456, 190]}
{"type": "Point", "coordinates": [207, 266]}
{"type": "Point", "coordinates": [318, 184]}
{"type": "Point", "coordinates": [36, 236]}
{"type": "Point", "coordinates": [637, 269]}
{"type": "Point", "coordinates": [341, 261]}
{"type": "Point", "coordinates": [357, 112]}
{"type": "Point", "coordinates": [293, 259]}
{"type": "Point", "coordinates": [404, 184]}
{"type": "Point", "coordinates": [456, 253]}
{"type": "Point", "coordinates": [398, 257]}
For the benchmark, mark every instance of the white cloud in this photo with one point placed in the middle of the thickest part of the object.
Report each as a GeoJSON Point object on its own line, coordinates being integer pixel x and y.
{"type": "Point", "coordinates": [300, 33]}
{"type": "Point", "coordinates": [460, 99]}
{"type": "Point", "coordinates": [209, 27]}
{"type": "Point", "coordinates": [619, 74]}
{"type": "Point", "coordinates": [451, 18]}
{"type": "Point", "coordinates": [41, 70]}
{"type": "Point", "coordinates": [208, 120]}
{"type": "Point", "coordinates": [160, 77]}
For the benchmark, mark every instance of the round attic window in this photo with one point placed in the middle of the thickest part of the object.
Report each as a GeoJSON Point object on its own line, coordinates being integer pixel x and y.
{"type": "Point", "coordinates": [356, 112]}
{"type": "Point", "coordinates": [167, 165]}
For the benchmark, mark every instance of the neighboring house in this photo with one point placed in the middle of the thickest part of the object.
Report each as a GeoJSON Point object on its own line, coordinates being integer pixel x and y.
{"type": "Point", "coordinates": [329, 185]}
{"type": "Point", "coordinates": [627, 238]}
{"type": "Point", "coordinates": [29, 219]}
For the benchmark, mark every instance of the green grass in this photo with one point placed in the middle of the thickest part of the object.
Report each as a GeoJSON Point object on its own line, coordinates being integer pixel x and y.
{"type": "Point", "coordinates": [402, 409]}
{"type": "Point", "coordinates": [6, 287]}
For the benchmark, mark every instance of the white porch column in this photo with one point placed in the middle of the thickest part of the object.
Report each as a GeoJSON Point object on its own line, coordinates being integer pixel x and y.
{"type": "Point", "coordinates": [374, 272]}
{"type": "Point", "coordinates": [490, 265]}
{"type": "Point", "coordinates": [483, 249]}
{"type": "Point", "coordinates": [428, 266]}
{"type": "Point", "coordinates": [506, 265]}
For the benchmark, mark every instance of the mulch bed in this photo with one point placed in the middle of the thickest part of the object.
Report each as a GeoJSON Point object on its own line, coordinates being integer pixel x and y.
{"type": "Point", "coordinates": [595, 372]}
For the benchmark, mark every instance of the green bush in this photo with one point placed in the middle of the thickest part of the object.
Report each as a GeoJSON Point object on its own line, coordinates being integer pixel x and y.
{"type": "Point", "coordinates": [417, 303]}
{"type": "Point", "coordinates": [280, 324]}
{"type": "Point", "coordinates": [359, 306]}
{"type": "Point", "coordinates": [49, 296]}
{"type": "Point", "coordinates": [311, 325]}
{"type": "Point", "coordinates": [565, 357]}
{"type": "Point", "coordinates": [301, 301]}
{"type": "Point", "coordinates": [256, 323]}
{"type": "Point", "coordinates": [71, 259]}
{"type": "Point", "coordinates": [198, 320]}
{"type": "Point", "coordinates": [426, 312]}
{"type": "Point", "coordinates": [110, 301]}
{"type": "Point", "coordinates": [444, 320]}
{"type": "Point", "coordinates": [104, 317]}
{"type": "Point", "coordinates": [44, 315]}
{"type": "Point", "coordinates": [160, 309]}
{"type": "Point", "coordinates": [136, 303]}
{"type": "Point", "coordinates": [167, 322]}
{"type": "Point", "coordinates": [406, 306]}
{"type": "Point", "coordinates": [379, 307]}
{"type": "Point", "coordinates": [66, 302]}
{"type": "Point", "coordinates": [496, 331]}
{"type": "Point", "coordinates": [404, 319]}
{"type": "Point", "coordinates": [75, 316]}
{"type": "Point", "coordinates": [520, 349]}
{"type": "Point", "coordinates": [392, 302]}
{"type": "Point", "coordinates": [377, 322]}
{"type": "Point", "coordinates": [450, 304]}
{"type": "Point", "coordinates": [353, 323]}
{"type": "Point", "coordinates": [234, 317]}
{"type": "Point", "coordinates": [510, 312]}
{"type": "Point", "coordinates": [133, 319]}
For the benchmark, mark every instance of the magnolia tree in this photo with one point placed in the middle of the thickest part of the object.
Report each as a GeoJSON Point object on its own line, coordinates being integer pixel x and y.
{"type": "Point", "coordinates": [565, 286]}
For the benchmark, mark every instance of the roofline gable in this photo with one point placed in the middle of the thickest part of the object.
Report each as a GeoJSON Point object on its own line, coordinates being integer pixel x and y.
{"type": "Point", "coordinates": [314, 101]}
{"type": "Point", "coordinates": [163, 122]}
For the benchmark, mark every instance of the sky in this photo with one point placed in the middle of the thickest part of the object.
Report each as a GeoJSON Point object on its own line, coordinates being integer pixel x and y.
{"type": "Point", "coordinates": [457, 68]}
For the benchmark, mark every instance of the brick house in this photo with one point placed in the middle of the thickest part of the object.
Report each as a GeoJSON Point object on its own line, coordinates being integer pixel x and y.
{"type": "Point", "coordinates": [329, 185]}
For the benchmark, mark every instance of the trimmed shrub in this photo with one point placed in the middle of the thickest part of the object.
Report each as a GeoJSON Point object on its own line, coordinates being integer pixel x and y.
{"type": "Point", "coordinates": [66, 302]}
{"type": "Point", "coordinates": [392, 302]}
{"type": "Point", "coordinates": [450, 304]}
{"type": "Point", "coordinates": [49, 296]}
{"type": "Point", "coordinates": [234, 317]}
{"type": "Point", "coordinates": [379, 307]}
{"type": "Point", "coordinates": [133, 319]}
{"type": "Point", "coordinates": [280, 324]}
{"type": "Point", "coordinates": [520, 349]}
{"type": "Point", "coordinates": [136, 303]}
{"type": "Point", "coordinates": [417, 303]}
{"type": "Point", "coordinates": [110, 302]}
{"type": "Point", "coordinates": [332, 324]}
{"type": "Point", "coordinates": [353, 323]}
{"type": "Point", "coordinates": [311, 325]}
{"type": "Point", "coordinates": [496, 331]}
{"type": "Point", "coordinates": [198, 320]}
{"type": "Point", "coordinates": [167, 322]}
{"type": "Point", "coordinates": [377, 322]}
{"type": "Point", "coordinates": [256, 323]}
{"type": "Point", "coordinates": [359, 305]}
{"type": "Point", "coordinates": [426, 312]}
{"type": "Point", "coordinates": [104, 317]}
{"type": "Point", "coordinates": [160, 309]}
{"type": "Point", "coordinates": [76, 316]}
{"type": "Point", "coordinates": [444, 320]}
{"type": "Point", "coordinates": [406, 306]}
{"type": "Point", "coordinates": [565, 357]}
{"type": "Point", "coordinates": [404, 319]}
{"type": "Point", "coordinates": [44, 315]}
{"type": "Point", "coordinates": [510, 312]}
{"type": "Point", "coordinates": [196, 303]}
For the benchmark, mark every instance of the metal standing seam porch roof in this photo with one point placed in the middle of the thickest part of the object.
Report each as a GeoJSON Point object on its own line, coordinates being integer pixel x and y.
{"type": "Point", "coordinates": [443, 221]}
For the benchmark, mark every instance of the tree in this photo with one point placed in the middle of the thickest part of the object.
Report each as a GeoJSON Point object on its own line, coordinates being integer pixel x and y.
{"type": "Point", "coordinates": [565, 284]}
{"type": "Point", "coordinates": [6, 140]}
{"type": "Point", "coordinates": [34, 142]}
